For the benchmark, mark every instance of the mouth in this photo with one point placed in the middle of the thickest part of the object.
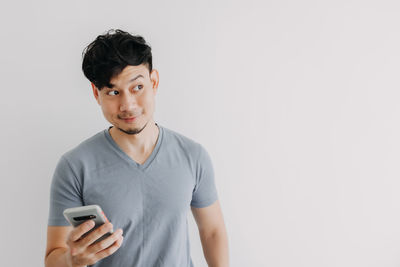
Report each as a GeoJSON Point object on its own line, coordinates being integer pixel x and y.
{"type": "Point", "coordinates": [130, 119]}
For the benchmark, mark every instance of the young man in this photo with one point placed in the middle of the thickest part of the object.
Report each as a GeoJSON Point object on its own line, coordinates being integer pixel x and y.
{"type": "Point", "coordinates": [144, 176]}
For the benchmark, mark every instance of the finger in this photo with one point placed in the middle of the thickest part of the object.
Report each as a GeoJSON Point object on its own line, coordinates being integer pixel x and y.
{"type": "Point", "coordinates": [96, 234]}
{"type": "Point", "coordinates": [95, 248]}
{"type": "Point", "coordinates": [78, 231]}
{"type": "Point", "coordinates": [110, 250]}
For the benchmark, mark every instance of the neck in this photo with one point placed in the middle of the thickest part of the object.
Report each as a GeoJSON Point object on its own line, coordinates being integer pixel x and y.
{"type": "Point", "coordinates": [137, 143]}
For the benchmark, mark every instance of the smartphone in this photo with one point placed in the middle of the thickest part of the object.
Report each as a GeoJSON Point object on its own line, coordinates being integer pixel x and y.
{"type": "Point", "coordinates": [78, 215]}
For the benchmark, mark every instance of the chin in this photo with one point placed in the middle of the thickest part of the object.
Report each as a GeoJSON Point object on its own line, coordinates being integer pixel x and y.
{"type": "Point", "coordinates": [133, 130]}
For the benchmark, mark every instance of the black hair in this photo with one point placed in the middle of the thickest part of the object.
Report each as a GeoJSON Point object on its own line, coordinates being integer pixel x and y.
{"type": "Point", "coordinates": [110, 53]}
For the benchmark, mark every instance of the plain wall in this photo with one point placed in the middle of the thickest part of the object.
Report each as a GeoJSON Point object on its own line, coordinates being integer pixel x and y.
{"type": "Point", "coordinates": [297, 103]}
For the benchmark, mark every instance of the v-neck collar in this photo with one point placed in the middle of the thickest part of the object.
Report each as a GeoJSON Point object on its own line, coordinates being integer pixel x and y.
{"type": "Point", "coordinates": [127, 158]}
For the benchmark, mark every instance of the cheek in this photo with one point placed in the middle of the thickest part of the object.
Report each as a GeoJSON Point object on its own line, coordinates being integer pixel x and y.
{"type": "Point", "coordinates": [147, 102]}
{"type": "Point", "coordinates": [109, 109]}
{"type": "Point", "coordinates": [150, 105]}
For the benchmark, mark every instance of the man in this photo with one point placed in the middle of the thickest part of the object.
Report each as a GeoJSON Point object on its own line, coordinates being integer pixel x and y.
{"type": "Point", "coordinates": [144, 176]}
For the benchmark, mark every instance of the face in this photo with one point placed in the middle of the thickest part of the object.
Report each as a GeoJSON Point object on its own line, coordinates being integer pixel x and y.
{"type": "Point", "coordinates": [129, 104]}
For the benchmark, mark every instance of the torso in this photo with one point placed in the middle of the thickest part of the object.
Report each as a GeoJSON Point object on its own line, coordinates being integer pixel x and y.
{"type": "Point", "coordinates": [139, 158]}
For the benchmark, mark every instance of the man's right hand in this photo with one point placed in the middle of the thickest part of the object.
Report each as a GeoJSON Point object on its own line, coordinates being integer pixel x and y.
{"type": "Point", "coordinates": [83, 251]}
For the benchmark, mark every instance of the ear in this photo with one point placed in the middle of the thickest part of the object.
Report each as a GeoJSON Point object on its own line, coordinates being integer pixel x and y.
{"type": "Point", "coordinates": [154, 80]}
{"type": "Point", "coordinates": [95, 93]}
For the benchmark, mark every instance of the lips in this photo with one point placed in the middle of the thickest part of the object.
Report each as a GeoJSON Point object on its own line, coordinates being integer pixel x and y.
{"type": "Point", "coordinates": [130, 119]}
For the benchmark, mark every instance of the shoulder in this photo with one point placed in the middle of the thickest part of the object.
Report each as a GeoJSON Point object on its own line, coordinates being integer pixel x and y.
{"type": "Point", "coordinates": [86, 146]}
{"type": "Point", "coordinates": [87, 150]}
{"type": "Point", "coordinates": [186, 151]}
{"type": "Point", "coordinates": [177, 141]}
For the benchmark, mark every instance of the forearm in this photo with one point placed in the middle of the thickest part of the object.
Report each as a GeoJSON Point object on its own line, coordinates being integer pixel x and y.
{"type": "Point", "coordinates": [57, 258]}
{"type": "Point", "coordinates": [215, 248]}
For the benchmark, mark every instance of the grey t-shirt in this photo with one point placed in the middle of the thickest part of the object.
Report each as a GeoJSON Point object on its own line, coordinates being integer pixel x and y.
{"type": "Point", "coordinates": [149, 201]}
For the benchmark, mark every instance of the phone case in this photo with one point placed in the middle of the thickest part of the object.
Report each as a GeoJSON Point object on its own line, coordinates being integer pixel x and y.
{"type": "Point", "coordinates": [79, 215]}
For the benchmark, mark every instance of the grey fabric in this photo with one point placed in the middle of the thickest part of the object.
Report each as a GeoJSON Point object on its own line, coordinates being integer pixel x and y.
{"type": "Point", "coordinates": [149, 201]}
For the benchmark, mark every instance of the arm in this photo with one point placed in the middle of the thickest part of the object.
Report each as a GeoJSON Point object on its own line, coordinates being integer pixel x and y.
{"type": "Point", "coordinates": [67, 248]}
{"type": "Point", "coordinates": [213, 234]}
{"type": "Point", "coordinates": [56, 251]}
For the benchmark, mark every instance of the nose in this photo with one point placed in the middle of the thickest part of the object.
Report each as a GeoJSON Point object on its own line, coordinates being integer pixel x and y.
{"type": "Point", "coordinates": [128, 102]}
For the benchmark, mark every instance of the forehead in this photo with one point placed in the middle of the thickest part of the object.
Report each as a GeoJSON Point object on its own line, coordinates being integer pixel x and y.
{"type": "Point", "coordinates": [128, 73]}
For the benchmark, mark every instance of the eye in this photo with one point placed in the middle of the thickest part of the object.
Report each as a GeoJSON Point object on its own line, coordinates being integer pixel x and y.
{"type": "Point", "coordinates": [138, 87]}
{"type": "Point", "coordinates": [109, 93]}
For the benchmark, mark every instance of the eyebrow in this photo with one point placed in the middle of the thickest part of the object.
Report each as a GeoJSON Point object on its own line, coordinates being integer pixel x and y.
{"type": "Point", "coordinates": [130, 81]}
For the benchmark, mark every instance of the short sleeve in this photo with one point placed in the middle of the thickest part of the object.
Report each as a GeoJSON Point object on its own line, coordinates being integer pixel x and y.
{"type": "Point", "coordinates": [65, 192]}
{"type": "Point", "coordinates": [205, 192]}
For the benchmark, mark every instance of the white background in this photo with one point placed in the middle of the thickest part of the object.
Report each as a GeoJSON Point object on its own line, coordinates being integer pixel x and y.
{"type": "Point", "coordinates": [297, 103]}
